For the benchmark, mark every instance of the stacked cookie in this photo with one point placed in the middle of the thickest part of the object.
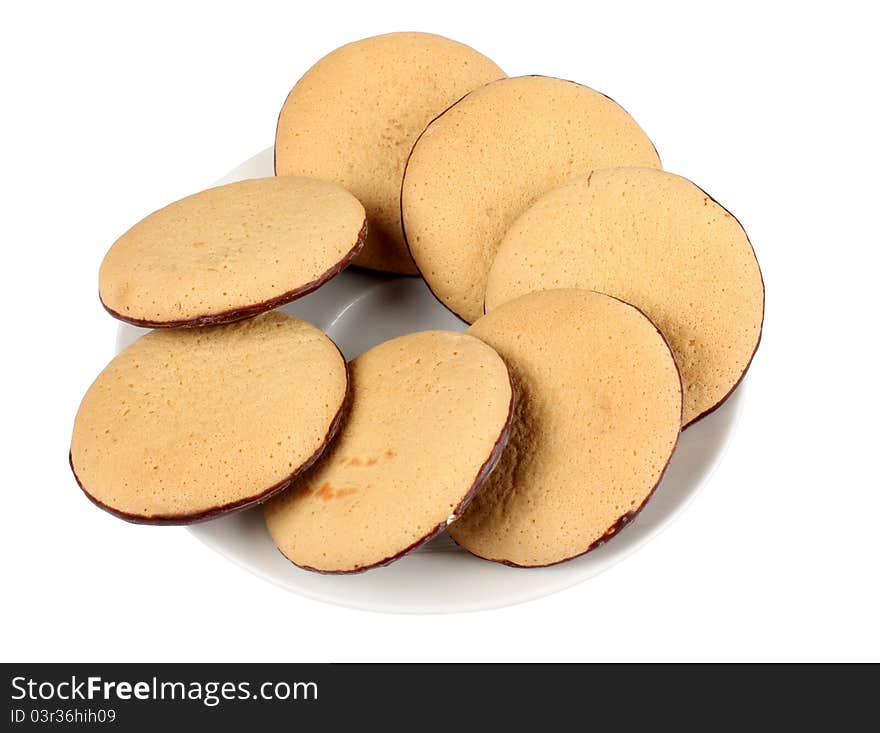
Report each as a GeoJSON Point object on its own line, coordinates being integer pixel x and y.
{"type": "Point", "coordinates": [611, 303]}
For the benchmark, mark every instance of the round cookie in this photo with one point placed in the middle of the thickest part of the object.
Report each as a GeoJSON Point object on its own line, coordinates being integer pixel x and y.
{"type": "Point", "coordinates": [189, 424]}
{"type": "Point", "coordinates": [231, 252]}
{"type": "Point", "coordinates": [430, 414]}
{"type": "Point", "coordinates": [488, 157]}
{"type": "Point", "coordinates": [659, 242]}
{"type": "Point", "coordinates": [354, 116]}
{"type": "Point", "coordinates": [598, 416]}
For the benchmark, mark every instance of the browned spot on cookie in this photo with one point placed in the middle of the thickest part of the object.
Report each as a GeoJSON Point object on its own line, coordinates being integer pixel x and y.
{"type": "Point", "coordinates": [307, 491]}
{"type": "Point", "coordinates": [372, 461]}
{"type": "Point", "coordinates": [390, 453]}
{"type": "Point", "coordinates": [325, 491]}
{"type": "Point", "coordinates": [355, 462]}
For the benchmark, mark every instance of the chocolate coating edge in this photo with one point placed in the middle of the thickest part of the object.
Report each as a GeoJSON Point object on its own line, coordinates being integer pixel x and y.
{"type": "Point", "coordinates": [742, 376]}
{"type": "Point", "coordinates": [403, 223]}
{"type": "Point", "coordinates": [249, 311]}
{"type": "Point", "coordinates": [235, 506]}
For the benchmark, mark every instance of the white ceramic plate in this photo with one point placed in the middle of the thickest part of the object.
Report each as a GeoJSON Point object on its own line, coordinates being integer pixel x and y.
{"type": "Point", "coordinates": [359, 310]}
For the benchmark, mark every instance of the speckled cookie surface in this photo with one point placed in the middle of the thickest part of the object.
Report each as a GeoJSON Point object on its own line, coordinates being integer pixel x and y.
{"type": "Point", "coordinates": [354, 116]}
{"type": "Point", "coordinates": [488, 157]}
{"type": "Point", "coordinates": [188, 424]}
{"type": "Point", "coordinates": [231, 252]}
{"type": "Point", "coordinates": [657, 241]}
{"type": "Point", "coordinates": [429, 416]}
{"type": "Point", "coordinates": [598, 416]}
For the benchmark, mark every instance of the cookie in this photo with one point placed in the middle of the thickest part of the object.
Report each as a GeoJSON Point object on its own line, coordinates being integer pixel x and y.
{"type": "Point", "coordinates": [488, 157]}
{"type": "Point", "coordinates": [429, 417]}
{"type": "Point", "coordinates": [231, 252]}
{"type": "Point", "coordinates": [598, 416]}
{"type": "Point", "coordinates": [659, 242]}
{"type": "Point", "coordinates": [188, 424]}
{"type": "Point", "coordinates": [354, 116]}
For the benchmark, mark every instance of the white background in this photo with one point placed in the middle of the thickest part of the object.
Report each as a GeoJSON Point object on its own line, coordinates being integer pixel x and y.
{"type": "Point", "coordinates": [109, 113]}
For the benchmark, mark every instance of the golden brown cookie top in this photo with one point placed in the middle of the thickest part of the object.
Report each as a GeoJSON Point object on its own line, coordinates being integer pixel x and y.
{"type": "Point", "coordinates": [598, 415]}
{"type": "Point", "coordinates": [659, 242]}
{"type": "Point", "coordinates": [231, 252]}
{"type": "Point", "coordinates": [187, 424]}
{"type": "Point", "coordinates": [488, 157]}
{"type": "Point", "coordinates": [354, 116]}
{"type": "Point", "coordinates": [428, 419]}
